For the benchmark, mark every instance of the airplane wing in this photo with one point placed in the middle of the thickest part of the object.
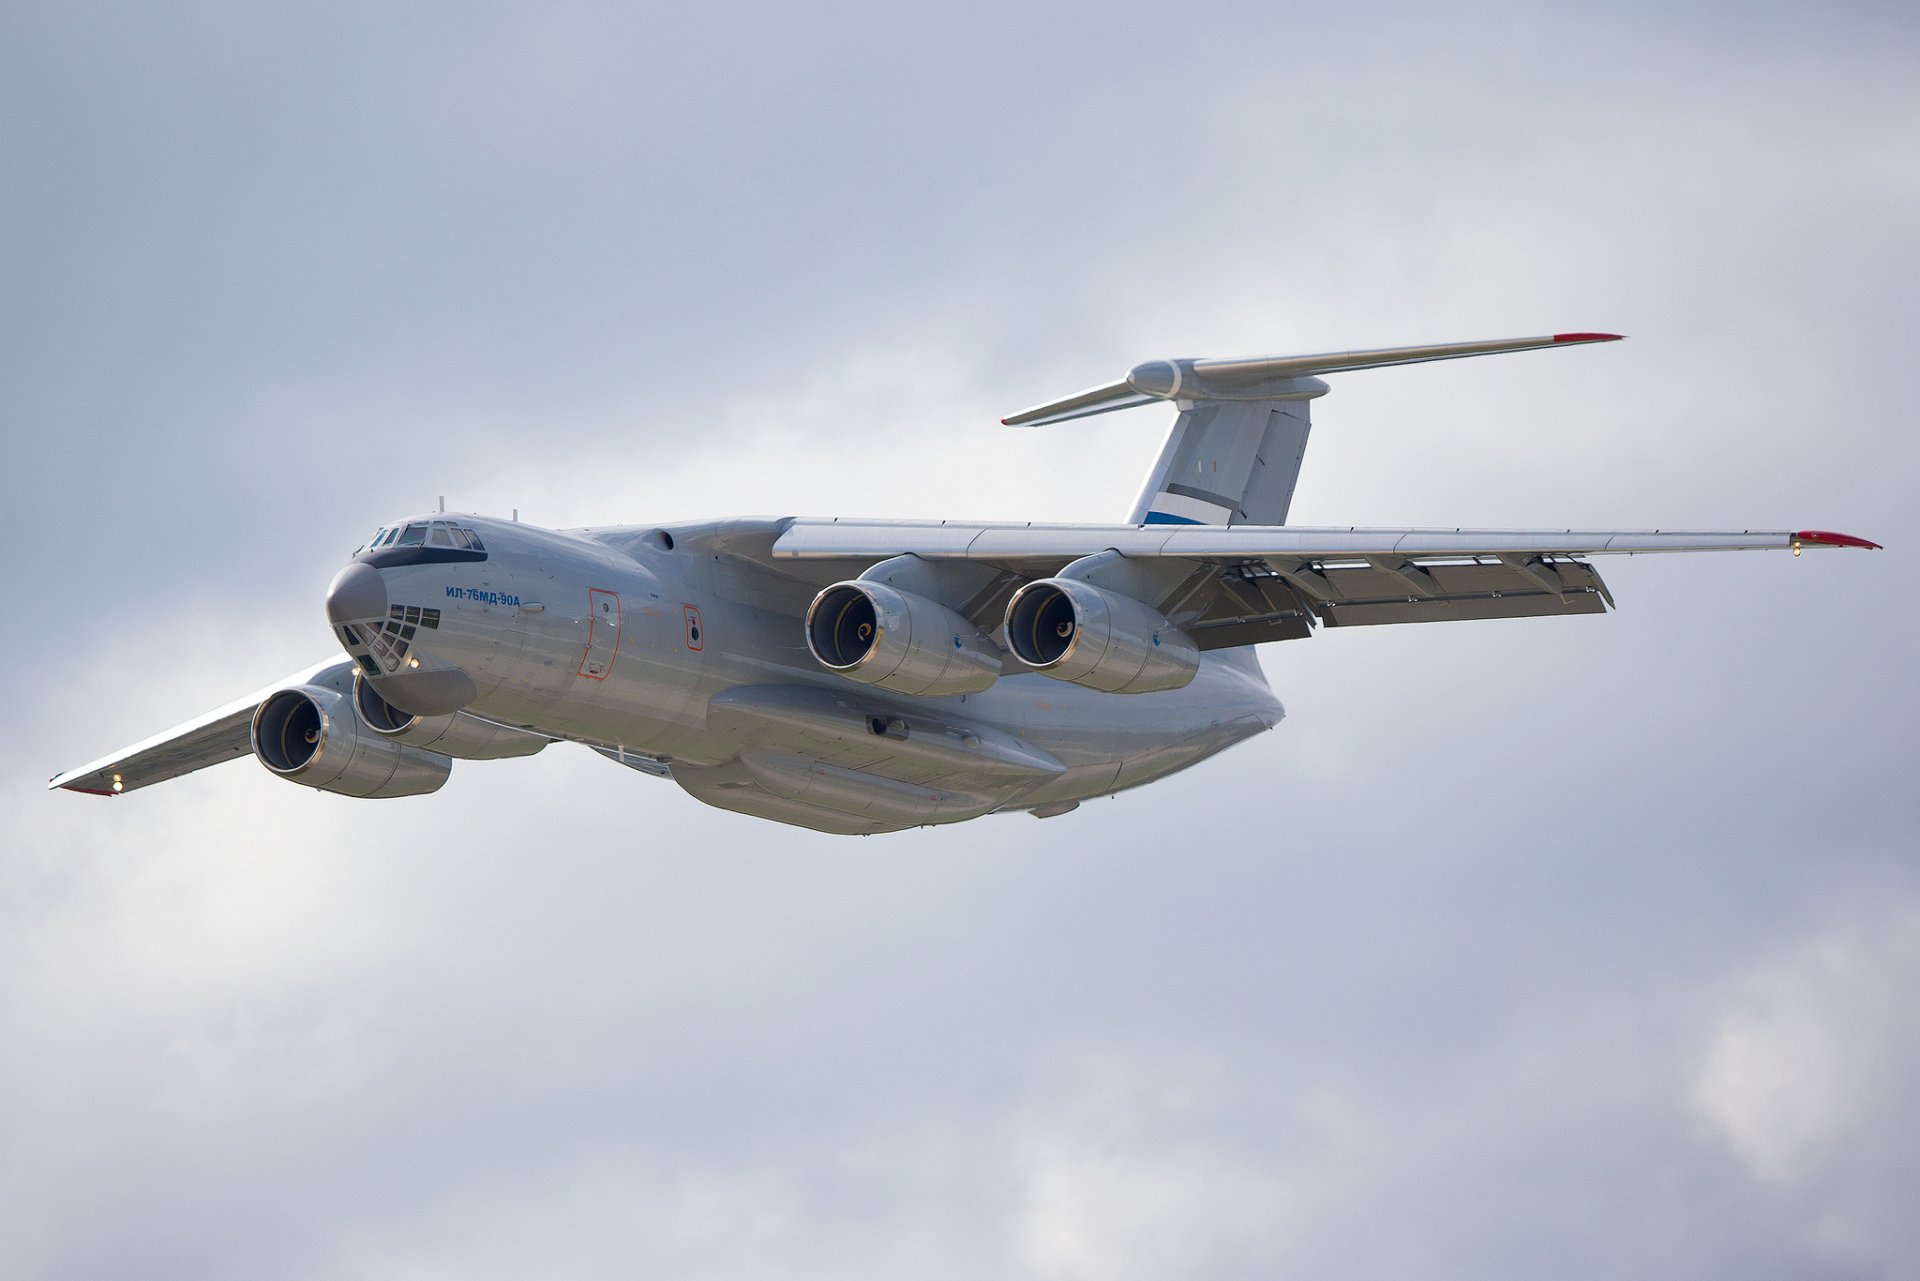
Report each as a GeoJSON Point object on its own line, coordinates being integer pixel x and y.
{"type": "Point", "coordinates": [220, 735]}
{"type": "Point", "coordinates": [1243, 584]}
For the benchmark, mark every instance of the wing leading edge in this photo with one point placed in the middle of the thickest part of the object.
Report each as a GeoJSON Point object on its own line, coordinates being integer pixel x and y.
{"type": "Point", "coordinates": [991, 541]}
{"type": "Point", "coordinates": [218, 736]}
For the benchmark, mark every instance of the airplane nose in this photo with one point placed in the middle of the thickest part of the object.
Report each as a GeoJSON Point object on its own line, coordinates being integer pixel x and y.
{"type": "Point", "coordinates": [358, 595]}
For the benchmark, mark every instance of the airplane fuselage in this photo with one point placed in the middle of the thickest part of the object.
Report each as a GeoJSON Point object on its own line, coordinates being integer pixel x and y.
{"type": "Point", "coordinates": [662, 649]}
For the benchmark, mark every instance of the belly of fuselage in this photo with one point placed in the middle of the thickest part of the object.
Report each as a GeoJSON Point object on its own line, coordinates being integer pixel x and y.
{"type": "Point", "coordinates": [663, 660]}
{"type": "Point", "coordinates": [837, 756]}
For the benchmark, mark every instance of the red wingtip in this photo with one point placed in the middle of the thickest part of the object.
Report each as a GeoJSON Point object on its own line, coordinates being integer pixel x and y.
{"type": "Point", "coordinates": [1826, 538]}
{"type": "Point", "coordinates": [1588, 337]}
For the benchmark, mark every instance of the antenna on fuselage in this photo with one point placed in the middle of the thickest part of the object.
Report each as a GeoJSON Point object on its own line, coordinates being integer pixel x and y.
{"type": "Point", "coordinates": [443, 502]}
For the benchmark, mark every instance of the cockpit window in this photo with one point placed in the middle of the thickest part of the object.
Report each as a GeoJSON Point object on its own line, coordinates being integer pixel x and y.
{"type": "Point", "coordinates": [423, 542]}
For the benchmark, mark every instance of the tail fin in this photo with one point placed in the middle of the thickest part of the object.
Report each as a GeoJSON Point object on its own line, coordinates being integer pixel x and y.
{"type": "Point", "coordinates": [1234, 453]}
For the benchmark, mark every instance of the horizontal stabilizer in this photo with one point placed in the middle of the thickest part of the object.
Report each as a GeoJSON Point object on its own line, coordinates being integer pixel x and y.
{"type": "Point", "coordinates": [1263, 377]}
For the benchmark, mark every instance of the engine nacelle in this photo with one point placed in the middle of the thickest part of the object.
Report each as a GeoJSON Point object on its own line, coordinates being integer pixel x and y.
{"type": "Point", "coordinates": [455, 734]}
{"type": "Point", "coordinates": [880, 635]}
{"type": "Point", "coordinates": [310, 736]}
{"type": "Point", "coordinates": [1074, 631]}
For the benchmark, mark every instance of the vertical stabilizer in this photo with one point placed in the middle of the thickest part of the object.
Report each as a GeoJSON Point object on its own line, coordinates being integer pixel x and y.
{"type": "Point", "coordinates": [1227, 463]}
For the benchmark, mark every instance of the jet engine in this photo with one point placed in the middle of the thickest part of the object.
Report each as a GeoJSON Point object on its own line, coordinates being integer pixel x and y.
{"type": "Point", "coordinates": [879, 635]}
{"type": "Point", "coordinates": [309, 735]}
{"type": "Point", "coordinates": [454, 734]}
{"type": "Point", "coordinates": [1074, 631]}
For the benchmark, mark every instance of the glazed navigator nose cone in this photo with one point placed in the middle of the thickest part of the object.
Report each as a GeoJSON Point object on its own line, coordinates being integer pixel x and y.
{"type": "Point", "coordinates": [358, 595]}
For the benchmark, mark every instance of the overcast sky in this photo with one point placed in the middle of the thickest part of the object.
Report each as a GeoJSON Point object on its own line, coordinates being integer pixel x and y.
{"type": "Point", "coordinates": [1582, 947]}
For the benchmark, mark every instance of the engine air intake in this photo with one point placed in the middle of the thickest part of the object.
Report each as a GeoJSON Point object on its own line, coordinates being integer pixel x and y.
{"type": "Point", "coordinates": [842, 627]}
{"type": "Point", "coordinates": [880, 635]}
{"type": "Point", "coordinates": [453, 733]}
{"type": "Point", "coordinates": [1073, 631]}
{"type": "Point", "coordinates": [310, 735]}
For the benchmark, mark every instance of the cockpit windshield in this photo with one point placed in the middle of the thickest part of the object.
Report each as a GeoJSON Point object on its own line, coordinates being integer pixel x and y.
{"type": "Point", "coordinates": [425, 533]}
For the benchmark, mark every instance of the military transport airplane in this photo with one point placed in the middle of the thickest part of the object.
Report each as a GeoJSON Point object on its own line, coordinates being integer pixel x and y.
{"type": "Point", "coordinates": [862, 676]}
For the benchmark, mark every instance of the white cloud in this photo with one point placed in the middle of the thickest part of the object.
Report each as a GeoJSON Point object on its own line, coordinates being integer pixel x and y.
{"type": "Point", "coordinates": [1812, 1077]}
{"type": "Point", "coordinates": [1117, 1214]}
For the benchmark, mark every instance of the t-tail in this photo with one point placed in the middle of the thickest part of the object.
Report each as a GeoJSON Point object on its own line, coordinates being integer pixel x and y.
{"type": "Point", "coordinates": [1233, 456]}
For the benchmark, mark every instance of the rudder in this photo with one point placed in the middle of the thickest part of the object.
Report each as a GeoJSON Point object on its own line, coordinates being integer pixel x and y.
{"type": "Point", "coordinates": [1227, 463]}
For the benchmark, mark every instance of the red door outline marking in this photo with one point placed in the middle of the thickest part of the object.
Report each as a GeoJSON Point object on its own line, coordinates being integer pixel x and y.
{"type": "Point", "coordinates": [696, 635]}
{"type": "Point", "coordinates": [603, 616]}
